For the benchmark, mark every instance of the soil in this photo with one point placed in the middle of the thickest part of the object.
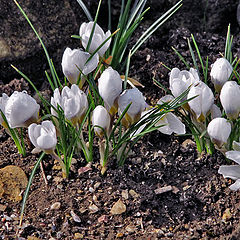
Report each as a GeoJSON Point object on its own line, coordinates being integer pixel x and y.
{"type": "Point", "coordinates": [168, 189]}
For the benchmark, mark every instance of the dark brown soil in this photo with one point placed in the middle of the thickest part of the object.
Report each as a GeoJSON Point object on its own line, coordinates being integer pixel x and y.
{"type": "Point", "coordinates": [170, 192]}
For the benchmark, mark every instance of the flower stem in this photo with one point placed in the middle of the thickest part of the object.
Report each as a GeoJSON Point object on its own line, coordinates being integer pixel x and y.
{"type": "Point", "coordinates": [64, 170]}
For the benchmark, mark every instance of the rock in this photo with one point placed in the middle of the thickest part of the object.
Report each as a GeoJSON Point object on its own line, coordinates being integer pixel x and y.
{"type": "Point", "coordinates": [55, 206]}
{"type": "Point", "coordinates": [118, 208]}
{"type": "Point", "coordinates": [32, 238]}
{"type": "Point", "coordinates": [93, 208]}
{"type": "Point", "coordinates": [78, 236]}
{"type": "Point", "coordinates": [133, 193]}
{"type": "Point", "coordinates": [2, 207]}
{"type": "Point", "coordinates": [130, 229]}
{"type": "Point", "coordinates": [125, 194]}
{"type": "Point", "coordinates": [119, 235]}
{"type": "Point", "coordinates": [103, 218]}
{"type": "Point", "coordinates": [75, 217]}
{"type": "Point", "coordinates": [226, 215]}
{"type": "Point", "coordinates": [83, 170]}
{"type": "Point", "coordinates": [96, 185]}
{"type": "Point", "coordinates": [57, 179]}
{"type": "Point", "coordinates": [163, 189]}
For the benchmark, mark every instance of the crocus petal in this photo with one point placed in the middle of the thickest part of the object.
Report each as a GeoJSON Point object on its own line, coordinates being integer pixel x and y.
{"type": "Point", "coordinates": [232, 171]}
{"type": "Point", "coordinates": [203, 100]}
{"type": "Point", "coordinates": [166, 99]}
{"type": "Point", "coordinates": [215, 111]}
{"type": "Point", "coordinates": [109, 86]}
{"type": "Point", "coordinates": [235, 186]}
{"type": "Point", "coordinates": [3, 102]}
{"type": "Point", "coordinates": [138, 104]}
{"type": "Point", "coordinates": [46, 142]}
{"type": "Point", "coordinates": [233, 155]}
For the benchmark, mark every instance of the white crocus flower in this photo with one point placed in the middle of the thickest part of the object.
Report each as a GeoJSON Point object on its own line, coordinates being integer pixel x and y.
{"type": "Point", "coordinates": [98, 37]}
{"type": "Point", "coordinates": [110, 87]}
{"type": "Point", "coordinates": [220, 72]}
{"type": "Point", "coordinates": [230, 99]}
{"type": "Point", "coordinates": [101, 117]}
{"type": "Point", "coordinates": [138, 105]}
{"type": "Point", "coordinates": [202, 102]}
{"type": "Point", "coordinates": [72, 100]}
{"type": "Point", "coordinates": [75, 61]}
{"type": "Point", "coordinates": [232, 171]}
{"type": "Point", "coordinates": [219, 130]}
{"type": "Point", "coordinates": [43, 136]}
{"type": "Point", "coordinates": [180, 81]}
{"type": "Point", "coordinates": [3, 102]}
{"type": "Point", "coordinates": [21, 110]}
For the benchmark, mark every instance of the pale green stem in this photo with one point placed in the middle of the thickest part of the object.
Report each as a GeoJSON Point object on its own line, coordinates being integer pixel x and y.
{"type": "Point", "coordinates": [56, 157]}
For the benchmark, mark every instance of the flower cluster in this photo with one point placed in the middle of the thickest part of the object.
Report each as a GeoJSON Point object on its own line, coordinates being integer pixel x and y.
{"type": "Point", "coordinates": [116, 115]}
{"type": "Point", "coordinates": [213, 116]}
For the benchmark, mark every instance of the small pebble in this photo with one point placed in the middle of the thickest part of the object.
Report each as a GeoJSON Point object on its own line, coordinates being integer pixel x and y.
{"type": "Point", "coordinates": [131, 229]}
{"type": "Point", "coordinates": [93, 208]}
{"type": "Point", "coordinates": [75, 217]}
{"type": "Point", "coordinates": [133, 193]}
{"type": "Point", "coordinates": [118, 208]}
{"type": "Point", "coordinates": [78, 236]}
{"type": "Point", "coordinates": [226, 215]}
{"type": "Point", "coordinates": [55, 206]}
{"type": "Point", "coordinates": [2, 208]}
{"type": "Point", "coordinates": [97, 185]}
{"type": "Point", "coordinates": [103, 218]}
{"type": "Point", "coordinates": [119, 235]}
{"type": "Point", "coordinates": [91, 190]}
{"type": "Point", "coordinates": [49, 177]}
{"type": "Point", "coordinates": [125, 194]}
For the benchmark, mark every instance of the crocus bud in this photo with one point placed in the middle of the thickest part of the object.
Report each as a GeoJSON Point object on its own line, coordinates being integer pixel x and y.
{"type": "Point", "coordinates": [98, 37]}
{"type": "Point", "coordinates": [219, 130]}
{"type": "Point", "coordinates": [43, 136]}
{"type": "Point", "coordinates": [180, 81]}
{"type": "Point", "coordinates": [21, 110]}
{"type": "Point", "coordinates": [220, 73]}
{"type": "Point", "coordinates": [202, 102]}
{"type": "Point", "coordinates": [3, 102]}
{"type": "Point", "coordinates": [76, 59]}
{"type": "Point", "coordinates": [230, 99]}
{"type": "Point", "coordinates": [138, 105]}
{"type": "Point", "coordinates": [101, 117]}
{"type": "Point", "coordinates": [110, 87]}
{"type": "Point", "coordinates": [72, 100]}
